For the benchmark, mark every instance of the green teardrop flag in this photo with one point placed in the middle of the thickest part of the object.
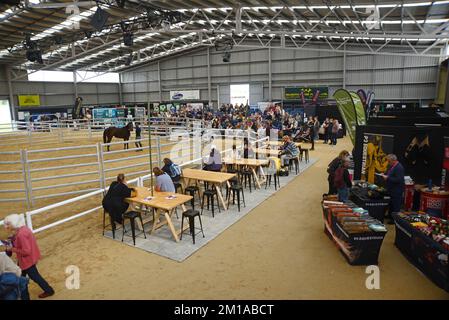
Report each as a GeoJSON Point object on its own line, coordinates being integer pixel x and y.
{"type": "Point", "coordinates": [346, 106]}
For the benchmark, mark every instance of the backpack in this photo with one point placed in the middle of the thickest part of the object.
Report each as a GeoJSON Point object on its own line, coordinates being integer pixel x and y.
{"type": "Point", "coordinates": [339, 181]}
{"type": "Point", "coordinates": [175, 170]}
{"type": "Point", "coordinates": [11, 286]}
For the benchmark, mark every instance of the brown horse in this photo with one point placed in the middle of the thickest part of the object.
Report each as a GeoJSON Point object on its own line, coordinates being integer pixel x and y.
{"type": "Point", "coordinates": [123, 133]}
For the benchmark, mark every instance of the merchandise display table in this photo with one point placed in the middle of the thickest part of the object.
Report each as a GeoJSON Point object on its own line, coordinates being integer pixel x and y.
{"type": "Point", "coordinates": [376, 206]}
{"type": "Point", "coordinates": [427, 254]}
{"type": "Point", "coordinates": [358, 236]}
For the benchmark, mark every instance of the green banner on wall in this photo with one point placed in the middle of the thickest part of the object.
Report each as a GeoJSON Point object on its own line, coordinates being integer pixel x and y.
{"type": "Point", "coordinates": [293, 93]}
{"type": "Point", "coordinates": [346, 106]}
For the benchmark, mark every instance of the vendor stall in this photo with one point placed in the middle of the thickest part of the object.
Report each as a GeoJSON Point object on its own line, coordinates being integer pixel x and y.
{"type": "Point", "coordinates": [358, 236]}
{"type": "Point", "coordinates": [370, 197]}
{"type": "Point", "coordinates": [424, 240]}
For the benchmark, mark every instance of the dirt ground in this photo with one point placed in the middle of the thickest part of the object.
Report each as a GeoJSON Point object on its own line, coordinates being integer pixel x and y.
{"type": "Point", "coordinates": [278, 251]}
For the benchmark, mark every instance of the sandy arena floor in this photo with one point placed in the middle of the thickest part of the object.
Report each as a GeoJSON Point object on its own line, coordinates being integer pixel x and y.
{"type": "Point", "coordinates": [278, 251]}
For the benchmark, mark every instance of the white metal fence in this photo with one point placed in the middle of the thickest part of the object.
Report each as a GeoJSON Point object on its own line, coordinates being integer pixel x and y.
{"type": "Point", "coordinates": [40, 175]}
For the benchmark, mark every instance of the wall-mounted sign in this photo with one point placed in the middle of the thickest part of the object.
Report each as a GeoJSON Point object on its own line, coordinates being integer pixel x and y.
{"type": "Point", "coordinates": [185, 95]}
{"type": "Point", "coordinates": [29, 100]}
{"type": "Point", "coordinates": [310, 93]}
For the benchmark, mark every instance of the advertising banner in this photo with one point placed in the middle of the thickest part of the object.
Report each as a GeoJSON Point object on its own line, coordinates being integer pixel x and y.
{"type": "Point", "coordinates": [376, 147]}
{"type": "Point", "coordinates": [347, 110]}
{"type": "Point", "coordinates": [185, 95]}
{"type": "Point", "coordinates": [309, 93]}
{"type": "Point", "coordinates": [29, 100]}
{"type": "Point", "coordinates": [359, 109]}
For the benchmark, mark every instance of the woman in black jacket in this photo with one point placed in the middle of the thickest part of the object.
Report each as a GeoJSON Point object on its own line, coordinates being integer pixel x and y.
{"type": "Point", "coordinates": [114, 201]}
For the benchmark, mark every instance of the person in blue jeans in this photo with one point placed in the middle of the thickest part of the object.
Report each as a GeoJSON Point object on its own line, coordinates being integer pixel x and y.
{"type": "Point", "coordinates": [342, 181]}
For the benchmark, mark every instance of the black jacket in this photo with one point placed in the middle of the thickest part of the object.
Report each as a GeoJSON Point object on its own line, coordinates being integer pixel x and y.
{"type": "Point", "coordinates": [114, 201]}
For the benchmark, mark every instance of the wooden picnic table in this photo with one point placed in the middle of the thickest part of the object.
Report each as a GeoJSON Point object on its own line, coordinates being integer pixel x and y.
{"type": "Point", "coordinates": [253, 164]}
{"type": "Point", "coordinates": [162, 202]}
{"type": "Point", "coordinates": [215, 178]}
{"type": "Point", "coordinates": [268, 152]}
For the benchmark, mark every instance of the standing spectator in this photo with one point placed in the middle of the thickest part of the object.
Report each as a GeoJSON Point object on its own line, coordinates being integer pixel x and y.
{"type": "Point", "coordinates": [332, 167]}
{"type": "Point", "coordinates": [138, 137]}
{"type": "Point", "coordinates": [173, 170]}
{"type": "Point", "coordinates": [342, 180]}
{"type": "Point", "coordinates": [25, 247]}
{"type": "Point", "coordinates": [335, 129]}
{"type": "Point", "coordinates": [325, 129]}
{"type": "Point", "coordinates": [329, 130]}
{"type": "Point", "coordinates": [395, 184]}
{"type": "Point", "coordinates": [316, 128]}
{"type": "Point", "coordinates": [163, 181]}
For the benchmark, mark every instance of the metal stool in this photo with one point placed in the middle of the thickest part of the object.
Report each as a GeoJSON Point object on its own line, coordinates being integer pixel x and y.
{"type": "Point", "coordinates": [192, 190]}
{"type": "Point", "coordinates": [236, 189]}
{"type": "Point", "coordinates": [191, 214]}
{"type": "Point", "coordinates": [132, 216]}
{"type": "Point", "coordinates": [178, 185]}
{"type": "Point", "coordinates": [294, 161]}
{"type": "Point", "coordinates": [275, 178]}
{"type": "Point", "coordinates": [246, 177]}
{"type": "Point", "coordinates": [210, 193]}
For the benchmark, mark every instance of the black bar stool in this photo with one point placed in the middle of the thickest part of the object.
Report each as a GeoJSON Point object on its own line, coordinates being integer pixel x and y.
{"type": "Point", "coordinates": [178, 185]}
{"type": "Point", "coordinates": [191, 214]}
{"type": "Point", "coordinates": [132, 216]}
{"type": "Point", "coordinates": [293, 161]}
{"type": "Point", "coordinates": [246, 177]}
{"type": "Point", "coordinates": [235, 190]}
{"type": "Point", "coordinates": [232, 181]}
{"type": "Point", "coordinates": [192, 190]}
{"type": "Point", "coordinates": [209, 194]}
{"type": "Point", "coordinates": [275, 178]}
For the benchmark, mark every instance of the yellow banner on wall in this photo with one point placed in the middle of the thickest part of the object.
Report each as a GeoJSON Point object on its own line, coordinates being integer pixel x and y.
{"type": "Point", "coordinates": [29, 100]}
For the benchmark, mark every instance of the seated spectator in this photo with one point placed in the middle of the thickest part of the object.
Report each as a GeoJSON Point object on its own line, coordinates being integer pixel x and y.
{"type": "Point", "coordinates": [289, 150]}
{"type": "Point", "coordinates": [173, 170]}
{"type": "Point", "coordinates": [114, 200]}
{"type": "Point", "coordinates": [213, 162]}
{"type": "Point", "coordinates": [234, 153]}
{"type": "Point", "coordinates": [12, 285]}
{"type": "Point", "coordinates": [24, 245]}
{"type": "Point", "coordinates": [163, 181]}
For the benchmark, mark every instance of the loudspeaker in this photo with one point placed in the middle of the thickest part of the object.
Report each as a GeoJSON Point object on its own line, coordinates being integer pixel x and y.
{"type": "Point", "coordinates": [99, 19]}
{"type": "Point", "coordinates": [35, 56]}
{"type": "Point", "coordinates": [226, 57]}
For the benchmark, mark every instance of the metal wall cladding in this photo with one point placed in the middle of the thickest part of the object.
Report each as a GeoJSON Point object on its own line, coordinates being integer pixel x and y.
{"type": "Point", "coordinates": [108, 98]}
{"type": "Point", "coordinates": [140, 87]}
{"type": "Point", "coordinates": [277, 93]}
{"type": "Point", "coordinates": [127, 87]}
{"type": "Point", "coordinates": [258, 55]}
{"type": "Point", "coordinates": [221, 71]}
{"type": "Point", "coordinates": [87, 99]}
{"type": "Point", "coordinates": [387, 91]}
{"type": "Point", "coordinates": [255, 93]}
{"type": "Point", "coordinates": [307, 65]}
{"type": "Point", "coordinates": [393, 76]}
{"type": "Point", "coordinates": [104, 88]}
{"type": "Point", "coordinates": [184, 73]}
{"type": "Point", "coordinates": [168, 74]}
{"type": "Point", "coordinates": [29, 87]}
{"type": "Point", "coordinates": [331, 63]}
{"type": "Point", "coordinates": [421, 91]}
{"type": "Point", "coordinates": [140, 76]}
{"type": "Point", "coordinates": [200, 72]}
{"type": "Point", "coordinates": [129, 97]}
{"type": "Point", "coordinates": [199, 60]}
{"type": "Point", "coordinates": [420, 75]}
{"type": "Point", "coordinates": [224, 93]}
{"type": "Point", "coordinates": [140, 97]}
{"type": "Point", "coordinates": [357, 62]}
{"type": "Point", "coordinates": [184, 61]}
{"type": "Point", "coordinates": [127, 77]}
{"type": "Point", "coordinates": [153, 86]}
{"type": "Point", "coordinates": [420, 61]}
{"type": "Point", "coordinates": [241, 69]}
{"type": "Point", "coordinates": [258, 68]}
{"type": "Point", "coordinates": [282, 54]}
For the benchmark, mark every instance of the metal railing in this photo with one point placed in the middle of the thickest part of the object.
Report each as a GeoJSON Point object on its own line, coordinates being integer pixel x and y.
{"type": "Point", "coordinates": [102, 164]}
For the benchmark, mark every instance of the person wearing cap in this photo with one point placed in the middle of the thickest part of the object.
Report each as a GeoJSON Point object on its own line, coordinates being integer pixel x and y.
{"type": "Point", "coordinates": [289, 150]}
